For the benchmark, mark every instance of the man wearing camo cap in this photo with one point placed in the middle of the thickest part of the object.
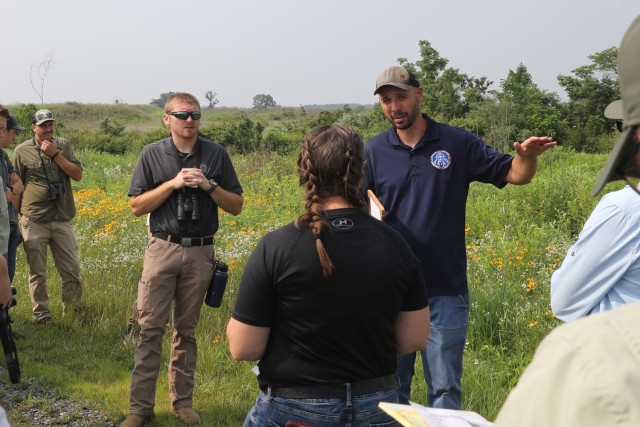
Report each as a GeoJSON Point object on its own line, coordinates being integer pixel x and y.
{"type": "Point", "coordinates": [46, 164]}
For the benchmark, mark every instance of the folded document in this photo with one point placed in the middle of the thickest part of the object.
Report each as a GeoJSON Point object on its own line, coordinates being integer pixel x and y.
{"type": "Point", "coordinates": [416, 415]}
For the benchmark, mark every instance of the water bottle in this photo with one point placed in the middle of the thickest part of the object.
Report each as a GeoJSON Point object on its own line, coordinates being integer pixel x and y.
{"type": "Point", "coordinates": [217, 285]}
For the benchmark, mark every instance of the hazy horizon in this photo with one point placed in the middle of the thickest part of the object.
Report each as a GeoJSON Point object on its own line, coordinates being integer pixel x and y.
{"type": "Point", "coordinates": [300, 53]}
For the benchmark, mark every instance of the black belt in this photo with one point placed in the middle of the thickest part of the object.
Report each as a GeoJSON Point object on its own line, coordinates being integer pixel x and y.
{"type": "Point", "coordinates": [326, 391]}
{"type": "Point", "coordinates": [185, 241]}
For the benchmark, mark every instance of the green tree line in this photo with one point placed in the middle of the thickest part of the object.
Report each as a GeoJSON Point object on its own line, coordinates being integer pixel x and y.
{"type": "Point", "coordinates": [514, 111]}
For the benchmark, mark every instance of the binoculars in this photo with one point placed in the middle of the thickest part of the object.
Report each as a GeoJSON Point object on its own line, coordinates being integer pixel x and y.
{"type": "Point", "coordinates": [188, 206]}
{"type": "Point", "coordinates": [56, 190]}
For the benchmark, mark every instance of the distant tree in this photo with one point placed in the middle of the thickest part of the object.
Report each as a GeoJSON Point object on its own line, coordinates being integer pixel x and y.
{"type": "Point", "coordinates": [448, 93]}
{"type": "Point", "coordinates": [243, 134]}
{"type": "Point", "coordinates": [262, 101]}
{"type": "Point", "coordinates": [495, 122]}
{"type": "Point", "coordinates": [159, 102]}
{"type": "Point", "coordinates": [535, 112]}
{"type": "Point", "coordinates": [591, 88]}
{"type": "Point", "coordinates": [41, 71]}
{"type": "Point", "coordinates": [327, 118]}
{"type": "Point", "coordinates": [517, 111]}
{"type": "Point", "coordinates": [110, 126]}
{"type": "Point", "coordinates": [211, 96]}
{"type": "Point", "coordinates": [24, 113]}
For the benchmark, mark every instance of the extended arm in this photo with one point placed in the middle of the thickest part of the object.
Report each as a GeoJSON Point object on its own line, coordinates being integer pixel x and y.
{"type": "Point", "coordinates": [525, 164]}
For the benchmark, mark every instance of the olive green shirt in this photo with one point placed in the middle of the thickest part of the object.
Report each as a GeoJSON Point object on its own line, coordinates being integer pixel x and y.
{"type": "Point", "coordinates": [38, 171]}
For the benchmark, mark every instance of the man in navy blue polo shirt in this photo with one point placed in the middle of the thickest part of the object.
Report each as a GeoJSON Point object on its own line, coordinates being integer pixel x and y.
{"type": "Point", "coordinates": [421, 170]}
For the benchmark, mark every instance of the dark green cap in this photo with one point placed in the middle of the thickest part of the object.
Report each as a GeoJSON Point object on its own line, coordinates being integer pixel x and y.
{"type": "Point", "coordinates": [623, 155]}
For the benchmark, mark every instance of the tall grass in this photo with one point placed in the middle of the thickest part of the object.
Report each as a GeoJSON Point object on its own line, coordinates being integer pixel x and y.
{"type": "Point", "coordinates": [516, 237]}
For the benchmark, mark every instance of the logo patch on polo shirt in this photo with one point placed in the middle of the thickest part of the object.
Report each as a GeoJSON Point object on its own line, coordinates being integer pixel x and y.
{"type": "Point", "coordinates": [342, 223]}
{"type": "Point", "coordinates": [441, 159]}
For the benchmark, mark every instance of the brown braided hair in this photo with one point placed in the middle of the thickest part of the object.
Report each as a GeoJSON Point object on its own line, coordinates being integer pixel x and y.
{"type": "Point", "coordinates": [330, 163]}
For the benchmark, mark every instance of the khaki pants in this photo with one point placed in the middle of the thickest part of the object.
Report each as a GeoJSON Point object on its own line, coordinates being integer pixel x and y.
{"type": "Point", "coordinates": [171, 273]}
{"type": "Point", "coordinates": [61, 238]}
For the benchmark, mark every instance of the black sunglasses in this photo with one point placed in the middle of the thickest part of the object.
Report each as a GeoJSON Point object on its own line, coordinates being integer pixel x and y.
{"type": "Point", "coordinates": [47, 115]}
{"type": "Point", "coordinates": [184, 115]}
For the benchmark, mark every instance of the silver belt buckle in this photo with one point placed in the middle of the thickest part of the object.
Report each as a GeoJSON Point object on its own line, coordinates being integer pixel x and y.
{"type": "Point", "coordinates": [186, 241]}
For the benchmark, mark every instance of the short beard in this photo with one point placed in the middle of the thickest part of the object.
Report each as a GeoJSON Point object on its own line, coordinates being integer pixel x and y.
{"type": "Point", "coordinates": [411, 118]}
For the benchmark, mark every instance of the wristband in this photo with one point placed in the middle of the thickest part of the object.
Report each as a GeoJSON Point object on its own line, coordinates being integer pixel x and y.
{"type": "Point", "coordinates": [54, 156]}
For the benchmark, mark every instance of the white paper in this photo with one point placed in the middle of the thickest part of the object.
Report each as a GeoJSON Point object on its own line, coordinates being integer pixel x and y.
{"type": "Point", "coordinates": [433, 417]}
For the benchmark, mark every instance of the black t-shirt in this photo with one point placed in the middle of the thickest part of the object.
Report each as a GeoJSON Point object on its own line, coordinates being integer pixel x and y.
{"type": "Point", "coordinates": [330, 330]}
{"type": "Point", "coordinates": [160, 162]}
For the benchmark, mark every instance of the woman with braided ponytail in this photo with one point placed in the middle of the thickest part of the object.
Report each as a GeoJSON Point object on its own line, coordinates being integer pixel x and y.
{"type": "Point", "coordinates": [328, 302]}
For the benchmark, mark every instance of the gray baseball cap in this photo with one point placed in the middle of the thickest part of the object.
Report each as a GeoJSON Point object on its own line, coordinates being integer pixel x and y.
{"type": "Point", "coordinates": [622, 160]}
{"type": "Point", "coordinates": [396, 76]}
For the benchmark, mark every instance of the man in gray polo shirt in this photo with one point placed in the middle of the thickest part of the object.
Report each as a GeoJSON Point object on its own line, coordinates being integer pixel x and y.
{"type": "Point", "coordinates": [181, 180]}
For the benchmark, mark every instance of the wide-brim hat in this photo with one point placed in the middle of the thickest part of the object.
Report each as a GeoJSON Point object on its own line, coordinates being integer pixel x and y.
{"type": "Point", "coordinates": [622, 160]}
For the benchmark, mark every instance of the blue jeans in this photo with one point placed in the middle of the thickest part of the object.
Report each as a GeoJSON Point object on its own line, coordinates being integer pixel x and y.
{"type": "Point", "coordinates": [442, 359]}
{"type": "Point", "coordinates": [350, 411]}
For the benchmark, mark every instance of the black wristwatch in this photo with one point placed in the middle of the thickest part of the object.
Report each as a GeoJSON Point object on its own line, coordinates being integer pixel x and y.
{"type": "Point", "coordinates": [213, 185]}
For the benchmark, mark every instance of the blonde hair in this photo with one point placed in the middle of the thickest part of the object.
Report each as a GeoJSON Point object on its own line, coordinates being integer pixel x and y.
{"type": "Point", "coordinates": [180, 97]}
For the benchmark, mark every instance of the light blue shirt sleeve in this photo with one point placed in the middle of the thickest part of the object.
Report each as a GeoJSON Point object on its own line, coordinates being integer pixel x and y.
{"type": "Point", "coordinates": [602, 269]}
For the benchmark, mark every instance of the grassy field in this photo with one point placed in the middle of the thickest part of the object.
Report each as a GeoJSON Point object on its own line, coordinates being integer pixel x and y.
{"type": "Point", "coordinates": [516, 237]}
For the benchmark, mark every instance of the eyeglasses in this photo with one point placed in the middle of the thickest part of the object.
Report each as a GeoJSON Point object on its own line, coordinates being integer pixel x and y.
{"type": "Point", "coordinates": [41, 116]}
{"type": "Point", "coordinates": [184, 115]}
{"type": "Point", "coordinates": [619, 124]}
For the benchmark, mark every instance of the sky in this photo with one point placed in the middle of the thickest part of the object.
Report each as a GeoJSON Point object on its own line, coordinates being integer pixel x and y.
{"type": "Point", "coordinates": [298, 51]}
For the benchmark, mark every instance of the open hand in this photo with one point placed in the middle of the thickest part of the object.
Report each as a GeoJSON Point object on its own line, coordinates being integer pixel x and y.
{"type": "Point", "coordinates": [534, 146]}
